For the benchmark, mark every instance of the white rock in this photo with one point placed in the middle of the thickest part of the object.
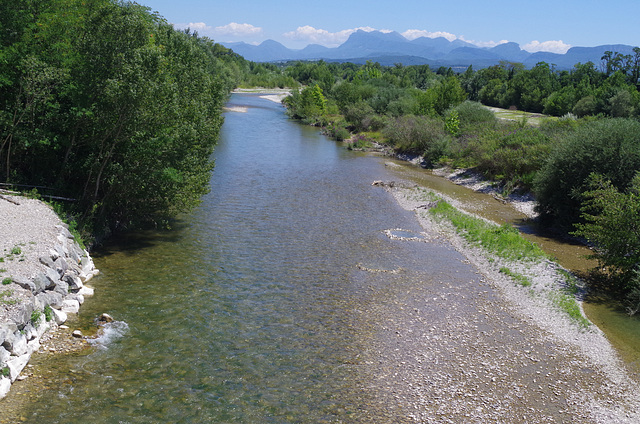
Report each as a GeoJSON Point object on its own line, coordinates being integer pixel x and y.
{"type": "Point", "coordinates": [70, 306]}
{"type": "Point", "coordinates": [86, 291]}
{"type": "Point", "coordinates": [5, 386]}
{"type": "Point", "coordinates": [54, 254]}
{"type": "Point", "coordinates": [59, 316]}
{"type": "Point", "coordinates": [43, 327]}
{"type": "Point", "coordinates": [33, 346]}
{"type": "Point", "coordinates": [19, 345]}
{"type": "Point", "coordinates": [16, 365]}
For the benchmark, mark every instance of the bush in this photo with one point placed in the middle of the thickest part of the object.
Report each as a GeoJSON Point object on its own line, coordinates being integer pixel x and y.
{"type": "Point", "coordinates": [612, 224]}
{"type": "Point", "coordinates": [414, 134]}
{"type": "Point", "coordinates": [473, 112]}
{"type": "Point", "coordinates": [359, 115]}
{"type": "Point", "coordinates": [513, 157]}
{"type": "Point", "coordinates": [610, 147]}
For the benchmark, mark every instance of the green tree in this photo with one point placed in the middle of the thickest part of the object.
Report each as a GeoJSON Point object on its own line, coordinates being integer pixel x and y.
{"type": "Point", "coordinates": [608, 147]}
{"type": "Point", "coordinates": [612, 223]}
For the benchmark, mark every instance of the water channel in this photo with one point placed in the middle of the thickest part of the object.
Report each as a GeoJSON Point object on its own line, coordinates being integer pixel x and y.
{"type": "Point", "coordinates": [263, 305]}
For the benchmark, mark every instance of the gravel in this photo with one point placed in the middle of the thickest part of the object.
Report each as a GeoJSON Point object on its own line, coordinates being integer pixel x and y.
{"type": "Point", "coordinates": [489, 350]}
{"type": "Point", "coordinates": [28, 226]}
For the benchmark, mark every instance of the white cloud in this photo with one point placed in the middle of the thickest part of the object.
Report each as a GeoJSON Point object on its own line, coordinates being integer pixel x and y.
{"type": "Point", "coordinates": [232, 29]}
{"type": "Point", "coordinates": [236, 29]}
{"type": "Point", "coordinates": [412, 34]}
{"type": "Point", "coordinates": [310, 34]}
{"type": "Point", "coordinates": [553, 46]}
{"type": "Point", "coordinates": [485, 43]}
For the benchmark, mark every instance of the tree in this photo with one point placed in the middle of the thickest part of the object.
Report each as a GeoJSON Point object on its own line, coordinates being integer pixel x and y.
{"type": "Point", "coordinates": [608, 147]}
{"type": "Point", "coordinates": [612, 223]}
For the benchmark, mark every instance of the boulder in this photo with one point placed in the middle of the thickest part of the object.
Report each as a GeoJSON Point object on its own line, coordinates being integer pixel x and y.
{"type": "Point", "coordinates": [74, 282]}
{"type": "Point", "coordinates": [6, 331]}
{"type": "Point", "coordinates": [86, 291]}
{"type": "Point", "coordinates": [62, 287]}
{"type": "Point", "coordinates": [47, 261]}
{"type": "Point", "coordinates": [64, 231]}
{"type": "Point", "coordinates": [25, 283]}
{"type": "Point", "coordinates": [41, 282]}
{"type": "Point", "coordinates": [19, 346]}
{"type": "Point", "coordinates": [5, 386]}
{"type": "Point", "coordinates": [49, 298]}
{"type": "Point", "coordinates": [76, 296]}
{"type": "Point", "coordinates": [22, 314]}
{"type": "Point", "coordinates": [16, 365]}
{"type": "Point", "coordinates": [70, 306]}
{"type": "Point", "coordinates": [59, 316]}
{"type": "Point", "coordinates": [61, 266]}
{"type": "Point", "coordinates": [4, 356]}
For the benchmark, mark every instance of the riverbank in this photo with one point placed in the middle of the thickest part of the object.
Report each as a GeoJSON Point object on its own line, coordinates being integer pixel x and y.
{"type": "Point", "coordinates": [548, 368]}
{"type": "Point", "coordinates": [44, 274]}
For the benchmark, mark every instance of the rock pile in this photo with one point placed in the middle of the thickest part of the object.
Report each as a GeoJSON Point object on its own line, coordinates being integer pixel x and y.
{"type": "Point", "coordinates": [40, 301]}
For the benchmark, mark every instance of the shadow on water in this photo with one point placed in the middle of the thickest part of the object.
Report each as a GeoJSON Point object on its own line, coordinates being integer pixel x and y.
{"type": "Point", "coordinates": [135, 241]}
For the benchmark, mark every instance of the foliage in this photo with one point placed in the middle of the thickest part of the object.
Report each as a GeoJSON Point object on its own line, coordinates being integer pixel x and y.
{"type": "Point", "coordinates": [107, 103]}
{"type": "Point", "coordinates": [452, 123]}
{"type": "Point", "coordinates": [7, 280]}
{"type": "Point", "coordinates": [48, 313]}
{"type": "Point", "coordinates": [473, 112]}
{"type": "Point", "coordinates": [608, 147]}
{"type": "Point", "coordinates": [416, 134]}
{"type": "Point", "coordinates": [36, 317]}
{"type": "Point", "coordinates": [512, 157]}
{"type": "Point", "coordinates": [612, 224]}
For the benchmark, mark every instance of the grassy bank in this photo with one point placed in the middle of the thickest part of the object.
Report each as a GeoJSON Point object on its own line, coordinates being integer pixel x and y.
{"type": "Point", "coordinates": [524, 263]}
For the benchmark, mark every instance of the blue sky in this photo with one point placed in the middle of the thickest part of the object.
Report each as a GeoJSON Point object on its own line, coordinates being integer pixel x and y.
{"type": "Point", "coordinates": [535, 25]}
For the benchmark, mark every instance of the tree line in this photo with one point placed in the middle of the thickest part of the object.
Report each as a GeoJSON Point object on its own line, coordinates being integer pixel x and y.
{"type": "Point", "coordinates": [105, 102]}
{"type": "Point", "coordinates": [582, 163]}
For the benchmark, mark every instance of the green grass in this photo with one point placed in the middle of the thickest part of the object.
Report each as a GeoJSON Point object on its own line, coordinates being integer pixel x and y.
{"type": "Point", "coordinates": [48, 313]}
{"type": "Point", "coordinates": [36, 317]}
{"type": "Point", "coordinates": [518, 278]}
{"type": "Point", "coordinates": [503, 241]}
{"type": "Point", "coordinates": [3, 298]}
{"type": "Point", "coordinates": [6, 281]}
{"type": "Point", "coordinates": [568, 304]}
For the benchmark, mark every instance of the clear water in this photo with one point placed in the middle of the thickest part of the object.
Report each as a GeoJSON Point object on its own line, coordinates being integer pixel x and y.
{"type": "Point", "coordinates": [257, 307]}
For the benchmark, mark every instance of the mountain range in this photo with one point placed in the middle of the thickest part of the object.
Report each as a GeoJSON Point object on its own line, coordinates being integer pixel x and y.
{"type": "Point", "coordinates": [389, 48]}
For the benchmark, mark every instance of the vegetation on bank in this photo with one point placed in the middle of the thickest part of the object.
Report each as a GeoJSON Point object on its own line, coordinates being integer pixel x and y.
{"type": "Point", "coordinates": [106, 103]}
{"type": "Point", "coordinates": [509, 248]}
{"type": "Point", "coordinates": [587, 150]}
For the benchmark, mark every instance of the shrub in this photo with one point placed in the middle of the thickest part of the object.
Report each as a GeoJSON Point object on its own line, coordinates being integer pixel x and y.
{"type": "Point", "coordinates": [414, 134]}
{"type": "Point", "coordinates": [612, 224]}
{"type": "Point", "coordinates": [36, 317]}
{"type": "Point", "coordinates": [513, 157]}
{"type": "Point", "coordinates": [473, 112]}
{"type": "Point", "coordinates": [48, 313]}
{"type": "Point", "coordinates": [358, 115]}
{"type": "Point", "coordinates": [610, 147]}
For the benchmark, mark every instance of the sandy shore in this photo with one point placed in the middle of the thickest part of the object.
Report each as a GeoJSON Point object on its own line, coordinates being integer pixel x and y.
{"type": "Point", "coordinates": [494, 351]}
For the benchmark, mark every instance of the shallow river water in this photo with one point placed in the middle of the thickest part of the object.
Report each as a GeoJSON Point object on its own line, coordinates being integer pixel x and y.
{"type": "Point", "coordinates": [284, 298]}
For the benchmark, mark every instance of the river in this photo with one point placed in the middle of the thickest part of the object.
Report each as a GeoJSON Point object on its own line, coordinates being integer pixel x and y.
{"type": "Point", "coordinates": [281, 299]}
